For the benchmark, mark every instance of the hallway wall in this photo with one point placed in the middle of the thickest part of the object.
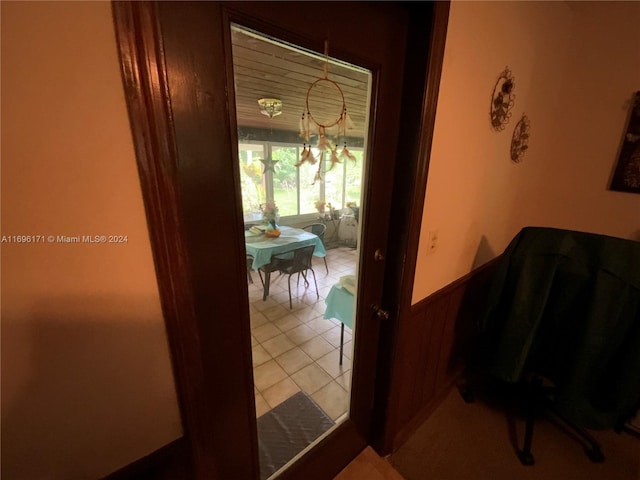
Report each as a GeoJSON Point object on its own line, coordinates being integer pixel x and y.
{"type": "Point", "coordinates": [576, 67]}
{"type": "Point", "coordinates": [87, 385]}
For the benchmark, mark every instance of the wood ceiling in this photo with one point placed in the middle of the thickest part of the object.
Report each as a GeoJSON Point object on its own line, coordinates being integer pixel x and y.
{"type": "Point", "coordinates": [263, 68]}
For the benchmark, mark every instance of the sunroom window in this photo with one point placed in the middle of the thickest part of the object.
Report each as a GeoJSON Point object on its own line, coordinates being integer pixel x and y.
{"type": "Point", "coordinates": [268, 173]}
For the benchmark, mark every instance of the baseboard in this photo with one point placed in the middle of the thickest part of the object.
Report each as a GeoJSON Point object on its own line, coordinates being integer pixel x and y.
{"type": "Point", "coordinates": [170, 462]}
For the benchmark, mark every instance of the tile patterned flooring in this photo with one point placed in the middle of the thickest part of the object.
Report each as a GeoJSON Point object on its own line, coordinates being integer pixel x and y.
{"type": "Point", "coordinates": [296, 349]}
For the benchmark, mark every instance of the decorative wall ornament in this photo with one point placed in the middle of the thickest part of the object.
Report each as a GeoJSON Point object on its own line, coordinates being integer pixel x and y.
{"type": "Point", "coordinates": [520, 139]}
{"type": "Point", "coordinates": [502, 100]}
{"type": "Point", "coordinates": [336, 127]}
{"type": "Point", "coordinates": [626, 177]}
{"type": "Point", "coordinates": [268, 163]}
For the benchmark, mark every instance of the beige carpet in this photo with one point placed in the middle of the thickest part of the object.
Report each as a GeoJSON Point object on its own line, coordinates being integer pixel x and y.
{"type": "Point", "coordinates": [473, 441]}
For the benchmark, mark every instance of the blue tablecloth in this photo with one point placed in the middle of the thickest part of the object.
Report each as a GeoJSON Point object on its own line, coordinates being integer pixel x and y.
{"type": "Point", "coordinates": [340, 305]}
{"type": "Point", "coordinates": [262, 248]}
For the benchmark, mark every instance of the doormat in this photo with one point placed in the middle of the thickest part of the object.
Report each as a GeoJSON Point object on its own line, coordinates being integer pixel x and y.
{"type": "Point", "coordinates": [287, 429]}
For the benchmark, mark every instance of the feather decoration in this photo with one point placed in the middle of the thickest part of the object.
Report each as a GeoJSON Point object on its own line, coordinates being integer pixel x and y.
{"type": "Point", "coordinates": [323, 141]}
{"type": "Point", "coordinates": [344, 123]}
{"type": "Point", "coordinates": [318, 176]}
{"type": "Point", "coordinates": [341, 124]}
{"type": "Point", "coordinates": [301, 128]}
{"type": "Point", "coordinates": [304, 155]}
{"type": "Point", "coordinates": [310, 158]}
{"type": "Point", "coordinates": [305, 134]}
{"type": "Point", "coordinates": [334, 158]}
{"type": "Point", "coordinates": [348, 123]}
{"type": "Point", "coordinates": [345, 153]}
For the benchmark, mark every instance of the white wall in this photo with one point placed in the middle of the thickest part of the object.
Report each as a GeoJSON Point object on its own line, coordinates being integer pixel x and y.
{"type": "Point", "coordinates": [604, 72]}
{"type": "Point", "coordinates": [87, 386]}
{"type": "Point", "coordinates": [576, 65]}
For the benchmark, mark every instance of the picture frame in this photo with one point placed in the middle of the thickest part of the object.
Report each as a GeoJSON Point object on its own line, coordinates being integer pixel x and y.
{"type": "Point", "coordinates": [626, 176]}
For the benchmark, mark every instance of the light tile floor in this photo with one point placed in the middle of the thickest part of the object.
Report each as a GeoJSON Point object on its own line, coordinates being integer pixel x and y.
{"type": "Point", "coordinates": [370, 466]}
{"type": "Point", "coordinates": [296, 349]}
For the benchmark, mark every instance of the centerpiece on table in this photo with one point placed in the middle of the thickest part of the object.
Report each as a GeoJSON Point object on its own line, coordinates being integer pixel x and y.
{"type": "Point", "coordinates": [270, 216]}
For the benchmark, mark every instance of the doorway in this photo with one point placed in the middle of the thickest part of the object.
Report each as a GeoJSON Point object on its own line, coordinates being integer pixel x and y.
{"type": "Point", "coordinates": [288, 102]}
{"type": "Point", "coordinates": [177, 65]}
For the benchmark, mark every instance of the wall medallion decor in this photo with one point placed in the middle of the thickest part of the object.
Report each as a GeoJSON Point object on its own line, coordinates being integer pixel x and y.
{"type": "Point", "coordinates": [520, 139]}
{"type": "Point", "coordinates": [626, 177]}
{"type": "Point", "coordinates": [502, 100]}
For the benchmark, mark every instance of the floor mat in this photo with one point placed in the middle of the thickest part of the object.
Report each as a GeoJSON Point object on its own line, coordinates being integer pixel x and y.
{"type": "Point", "coordinates": [286, 430]}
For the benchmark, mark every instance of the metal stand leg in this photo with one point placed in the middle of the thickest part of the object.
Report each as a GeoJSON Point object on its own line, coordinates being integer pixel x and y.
{"type": "Point", "coordinates": [267, 280]}
{"type": "Point", "coordinates": [525, 456]}
{"type": "Point", "coordinates": [341, 341]}
{"type": "Point", "coordinates": [591, 445]}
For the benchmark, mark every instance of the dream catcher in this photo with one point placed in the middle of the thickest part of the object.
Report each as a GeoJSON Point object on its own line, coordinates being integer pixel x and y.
{"type": "Point", "coordinates": [327, 130]}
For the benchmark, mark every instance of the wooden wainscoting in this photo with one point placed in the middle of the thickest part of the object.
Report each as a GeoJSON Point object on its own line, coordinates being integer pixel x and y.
{"type": "Point", "coordinates": [433, 341]}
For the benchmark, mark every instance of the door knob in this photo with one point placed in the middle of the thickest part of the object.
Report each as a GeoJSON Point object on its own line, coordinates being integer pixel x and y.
{"type": "Point", "coordinates": [378, 256]}
{"type": "Point", "coordinates": [380, 313]}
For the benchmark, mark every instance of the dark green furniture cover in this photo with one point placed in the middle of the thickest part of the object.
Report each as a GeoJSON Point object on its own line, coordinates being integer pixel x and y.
{"type": "Point", "coordinates": [566, 305]}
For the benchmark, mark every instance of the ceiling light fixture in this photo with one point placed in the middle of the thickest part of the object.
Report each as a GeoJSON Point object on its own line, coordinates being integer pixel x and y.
{"type": "Point", "coordinates": [271, 107]}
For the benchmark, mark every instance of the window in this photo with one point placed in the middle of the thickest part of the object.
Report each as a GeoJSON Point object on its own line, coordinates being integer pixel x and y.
{"type": "Point", "coordinates": [285, 180]}
{"type": "Point", "coordinates": [252, 181]}
{"type": "Point", "coordinates": [292, 188]}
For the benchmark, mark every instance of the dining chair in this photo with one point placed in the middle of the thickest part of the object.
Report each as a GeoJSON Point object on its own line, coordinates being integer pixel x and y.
{"type": "Point", "coordinates": [249, 264]}
{"type": "Point", "coordinates": [277, 264]}
{"type": "Point", "coordinates": [300, 263]}
{"type": "Point", "coordinates": [319, 230]}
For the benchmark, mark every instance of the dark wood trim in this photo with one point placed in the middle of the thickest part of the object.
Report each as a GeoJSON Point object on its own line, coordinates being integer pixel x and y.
{"type": "Point", "coordinates": [172, 108]}
{"type": "Point", "coordinates": [460, 282]}
{"type": "Point", "coordinates": [176, 193]}
{"type": "Point", "coordinates": [329, 457]}
{"type": "Point", "coordinates": [136, 33]}
{"type": "Point", "coordinates": [422, 80]}
{"type": "Point", "coordinates": [464, 296]}
{"type": "Point", "coordinates": [437, 339]}
{"type": "Point", "coordinates": [170, 462]}
{"type": "Point", "coordinates": [431, 89]}
{"type": "Point", "coordinates": [385, 117]}
{"type": "Point", "coordinates": [211, 204]}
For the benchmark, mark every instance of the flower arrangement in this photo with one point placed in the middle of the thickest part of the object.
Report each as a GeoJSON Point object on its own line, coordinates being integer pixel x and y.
{"type": "Point", "coordinates": [326, 210]}
{"type": "Point", "coordinates": [270, 213]}
{"type": "Point", "coordinates": [355, 209]}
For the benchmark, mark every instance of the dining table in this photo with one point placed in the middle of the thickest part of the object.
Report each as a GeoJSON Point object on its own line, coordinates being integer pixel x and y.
{"type": "Point", "coordinates": [340, 305]}
{"type": "Point", "coordinates": [262, 248]}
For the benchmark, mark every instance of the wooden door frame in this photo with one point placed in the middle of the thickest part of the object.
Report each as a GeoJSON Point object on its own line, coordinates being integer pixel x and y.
{"type": "Point", "coordinates": [422, 81]}
{"type": "Point", "coordinates": [175, 243]}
